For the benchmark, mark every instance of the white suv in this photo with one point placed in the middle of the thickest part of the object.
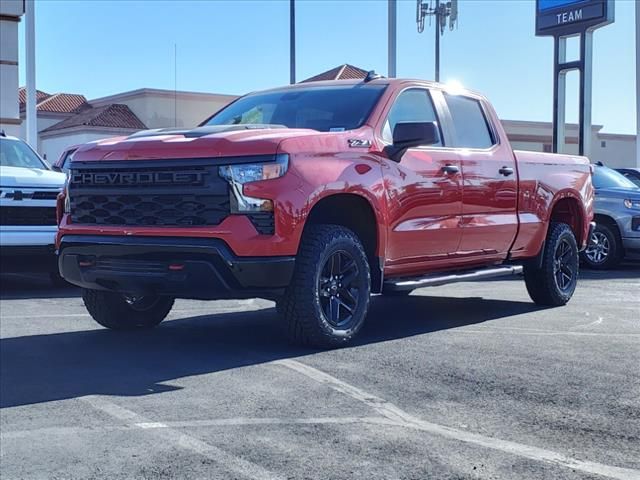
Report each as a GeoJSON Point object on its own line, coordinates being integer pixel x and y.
{"type": "Point", "coordinates": [28, 192]}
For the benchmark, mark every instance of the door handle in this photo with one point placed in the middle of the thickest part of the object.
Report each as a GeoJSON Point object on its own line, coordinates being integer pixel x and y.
{"type": "Point", "coordinates": [506, 171]}
{"type": "Point", "coordinates": [450, 169]}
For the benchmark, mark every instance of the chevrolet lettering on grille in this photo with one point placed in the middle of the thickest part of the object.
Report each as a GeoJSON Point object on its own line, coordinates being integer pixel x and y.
{"type": "Point", "coordinates": [138, 178]}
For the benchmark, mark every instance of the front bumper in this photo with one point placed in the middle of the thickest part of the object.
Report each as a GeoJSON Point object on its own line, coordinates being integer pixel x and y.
{"type": "Point", "coordinates": [197, 268]}
{"type": "Point", "coordinates": [27, 235]}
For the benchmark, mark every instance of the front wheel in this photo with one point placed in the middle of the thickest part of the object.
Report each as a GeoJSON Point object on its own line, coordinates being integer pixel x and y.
{"type": "Point", "coordinates": [126, 312]}
{"type": "Point", "coordinates": [328, 298]}
{"type": "Point", "coordinates": [553, 282]}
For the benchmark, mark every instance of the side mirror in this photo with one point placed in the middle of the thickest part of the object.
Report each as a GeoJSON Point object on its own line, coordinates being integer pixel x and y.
{"type": "Point", "coordinates": [56, 168]}
{"type": "Point", "coordinates": [412, 134]}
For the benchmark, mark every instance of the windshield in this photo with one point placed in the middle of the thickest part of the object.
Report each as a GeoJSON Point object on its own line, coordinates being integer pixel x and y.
{"type": "Point", "coordinates": [14, 153]}
{"type": "Point", "coordinates": [326, 109]}
{"type": "Point", "coordinates": [604, 177]}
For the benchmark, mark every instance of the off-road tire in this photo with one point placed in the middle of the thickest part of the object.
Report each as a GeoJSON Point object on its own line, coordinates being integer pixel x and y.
{"type": "Point", "coordinates": [111, 310]}
{"type": "Point", "coordinates": [305, 322]}
{"type": "Point", "coordinates": [541, 281]}
{"type": "Point", "coordinates": [615, 250]}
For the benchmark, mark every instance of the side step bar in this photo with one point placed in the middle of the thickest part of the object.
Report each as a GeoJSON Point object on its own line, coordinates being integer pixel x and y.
{"type": "Point", "coordinates": [444, 278]}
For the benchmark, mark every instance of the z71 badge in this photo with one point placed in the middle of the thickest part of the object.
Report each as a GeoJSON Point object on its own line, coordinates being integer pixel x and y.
{"type": "Point", "coordinates": [359, 143]}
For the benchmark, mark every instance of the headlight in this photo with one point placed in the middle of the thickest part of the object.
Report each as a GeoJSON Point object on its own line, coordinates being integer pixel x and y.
{"type": "Point", "coordinates": [238, 175]}
{"type": "Point", "coordinates": [252, 172]}
{"type": "Point", "coordinates": [631, 203]}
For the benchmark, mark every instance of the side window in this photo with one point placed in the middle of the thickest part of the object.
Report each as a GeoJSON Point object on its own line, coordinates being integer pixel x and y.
{"type": "Point", "coordinates": [412, 105]}
{"type": "Point", "coordinates": [472, 129]}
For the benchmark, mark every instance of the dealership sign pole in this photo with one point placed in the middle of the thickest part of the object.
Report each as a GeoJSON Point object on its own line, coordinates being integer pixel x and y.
{"type": "Point", "coordinates": [563, 19]}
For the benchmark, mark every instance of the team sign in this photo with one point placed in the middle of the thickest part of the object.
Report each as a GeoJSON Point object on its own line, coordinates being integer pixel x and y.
{"type": "Point", "coordinates": [564, 17]}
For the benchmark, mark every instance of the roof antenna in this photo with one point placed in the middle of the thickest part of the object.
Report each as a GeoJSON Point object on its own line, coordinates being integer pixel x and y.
{"type": "Point", "coordinates": [372, 75]}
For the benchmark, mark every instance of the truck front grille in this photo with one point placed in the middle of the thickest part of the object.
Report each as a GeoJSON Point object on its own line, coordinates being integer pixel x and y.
{"type": "Point", "coordinates": [162, 194]}
{"type": "Point", "coordinates": [165, 210]}
{"type": "Point", "coordinates": [28, 216]}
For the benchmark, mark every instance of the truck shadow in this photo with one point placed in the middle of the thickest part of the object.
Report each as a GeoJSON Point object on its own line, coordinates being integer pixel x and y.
{"type": "Point", "coordinates": [42, 368]}
{"type": "Point", "coordinates": [25, 286]}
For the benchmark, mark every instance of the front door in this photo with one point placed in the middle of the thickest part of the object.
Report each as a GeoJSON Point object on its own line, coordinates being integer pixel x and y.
{"type": "Point", "coordinates": [425, 193]}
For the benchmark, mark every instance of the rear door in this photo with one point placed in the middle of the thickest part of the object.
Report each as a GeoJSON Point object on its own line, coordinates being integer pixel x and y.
{"type": "Point", "coordinates": [425, 191]}
{"type": "Point", "coordinates": [490, 179]}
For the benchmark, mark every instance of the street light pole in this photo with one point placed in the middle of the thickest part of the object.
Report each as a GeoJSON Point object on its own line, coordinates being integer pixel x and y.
{"type": "Point", "coordinates": [637, 84]}
{"type": "Point", "coordinates": [292, 41]}
{"type": "Point", "coordinates": [30, 47]}
{"type": "Point", "coordinates": [391, 45]}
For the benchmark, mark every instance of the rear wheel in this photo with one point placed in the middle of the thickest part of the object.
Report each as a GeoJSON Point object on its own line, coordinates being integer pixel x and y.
{"type": "Point", "coordinates": [126, 312]}
{"type": "Point", "coordinates": [605, 249]}
{"type": "Point", "coordinates": [328, 298]}
{"type": "Point", "coordinates": [554, 281]}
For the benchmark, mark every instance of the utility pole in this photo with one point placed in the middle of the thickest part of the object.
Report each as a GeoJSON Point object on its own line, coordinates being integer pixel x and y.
{"type": "Point", "coordinates": [30, 47]}
{"type": "Point", "coordinates": [292, 41]}
{"type": "Point", "coordinates": [391, 46]}
{"type": "Point", "coordinates": [437, 29]}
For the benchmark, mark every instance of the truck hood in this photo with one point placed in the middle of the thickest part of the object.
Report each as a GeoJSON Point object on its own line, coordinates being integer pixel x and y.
{"type": "Point", "coordinates": [30, 177]}
{"type": "Point", "coordinates": [619, 192]}
{"type": "Point", "coordinates": [200, 142]}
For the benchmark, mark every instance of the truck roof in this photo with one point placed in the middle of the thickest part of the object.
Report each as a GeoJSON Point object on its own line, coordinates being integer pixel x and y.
{"type": "Point", "coordinates": [377, 81]}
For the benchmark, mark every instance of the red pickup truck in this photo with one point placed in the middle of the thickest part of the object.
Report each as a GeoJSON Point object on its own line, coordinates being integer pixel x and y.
{"type": "Point", "coordinates": [318, 195]}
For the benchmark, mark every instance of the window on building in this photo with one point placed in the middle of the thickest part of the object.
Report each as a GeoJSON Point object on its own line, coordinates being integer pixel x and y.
{"type": "Point", "coordinates": [413, 105]}
{"type": "Point", "coordinates": [471, 126]}
{"type": "Point", "coordinates": [603, 143]}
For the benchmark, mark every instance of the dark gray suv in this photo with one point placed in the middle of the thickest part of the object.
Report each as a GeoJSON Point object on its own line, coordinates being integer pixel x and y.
{"type": "Point", "coordinates": [617, 217]}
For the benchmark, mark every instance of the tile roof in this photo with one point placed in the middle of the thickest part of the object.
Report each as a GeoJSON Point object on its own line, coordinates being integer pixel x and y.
{"type": "Point", "coordinates": [62, 103]}
{"type": "Point", "coordinates": [22, 96]}
{"type": "Point", "coordinates": [55, 103]}
{"type": "Point", "coordinates": [112, 116]}
{"type": "Point", "coordinates": [343, 72]}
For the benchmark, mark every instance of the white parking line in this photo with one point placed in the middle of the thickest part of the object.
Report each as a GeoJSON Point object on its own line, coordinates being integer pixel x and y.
{"type": "Point", "coordinates": [398, 415]}
{"type": "Point", "coordinates": [226, 460]}
{"type": "Point", "coordinates": [217, 422]}
{"type": "Point", "coordinates": [525, 331]}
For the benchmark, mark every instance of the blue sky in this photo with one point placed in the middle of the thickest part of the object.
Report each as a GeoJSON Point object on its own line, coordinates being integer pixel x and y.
{"type": "Point", "coordinates": [99, 48]}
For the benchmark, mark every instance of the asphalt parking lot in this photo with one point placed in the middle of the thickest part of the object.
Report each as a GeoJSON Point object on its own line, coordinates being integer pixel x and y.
{"type": "Point", "coordinates": [456, 382]}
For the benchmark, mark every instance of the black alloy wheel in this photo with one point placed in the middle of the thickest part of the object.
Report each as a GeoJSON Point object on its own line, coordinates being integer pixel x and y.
{"type": "Point", "coordinates": [565, 265]}
{"type": "Point", "coordinates": [339, 287]}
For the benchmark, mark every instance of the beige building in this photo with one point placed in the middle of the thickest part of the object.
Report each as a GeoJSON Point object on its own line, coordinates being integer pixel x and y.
{"type": "Point", "coordinates": [612, 149]}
